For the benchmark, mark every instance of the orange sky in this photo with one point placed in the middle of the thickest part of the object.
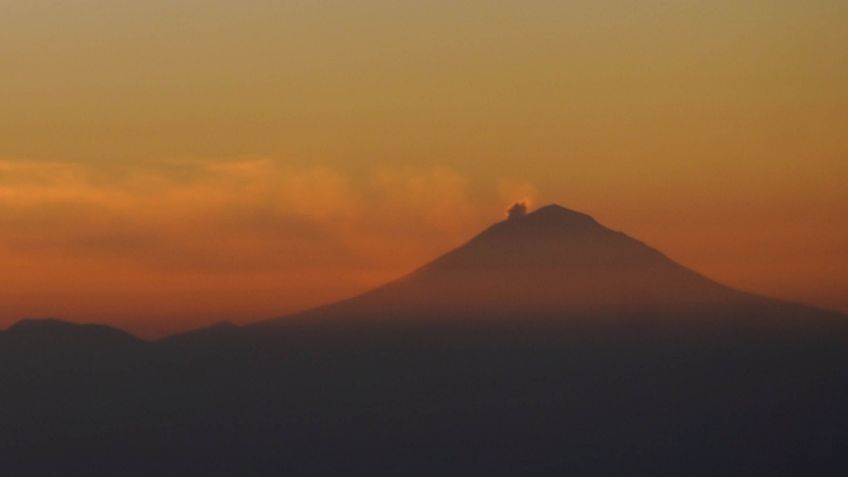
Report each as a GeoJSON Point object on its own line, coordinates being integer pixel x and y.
{"type": "Point", "coordinates": [165, 164]}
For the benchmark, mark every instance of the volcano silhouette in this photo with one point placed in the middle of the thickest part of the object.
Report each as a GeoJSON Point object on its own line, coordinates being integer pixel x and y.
{"type": "Point", "coordinates": [454, 369]}
{"type": "Point", "coordinates": [554, 264]}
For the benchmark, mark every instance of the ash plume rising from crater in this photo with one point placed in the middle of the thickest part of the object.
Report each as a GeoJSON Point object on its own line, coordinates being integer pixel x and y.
{"type": "Point", "coordinates": [518, 209]}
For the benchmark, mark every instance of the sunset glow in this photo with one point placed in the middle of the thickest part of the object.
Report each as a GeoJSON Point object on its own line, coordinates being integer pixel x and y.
{"type": "Point", "coordinates": [169, 164]}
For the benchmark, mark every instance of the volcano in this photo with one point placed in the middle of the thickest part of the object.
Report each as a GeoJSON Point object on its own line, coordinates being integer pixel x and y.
{"type": "Point", "coordinates": [556, 265]}
{"type": "Point", "coordinates": [486, 361]}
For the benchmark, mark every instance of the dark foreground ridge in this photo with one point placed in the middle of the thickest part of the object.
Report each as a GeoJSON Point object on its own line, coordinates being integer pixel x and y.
{"type": "Point", "coordinates": [547, 345]}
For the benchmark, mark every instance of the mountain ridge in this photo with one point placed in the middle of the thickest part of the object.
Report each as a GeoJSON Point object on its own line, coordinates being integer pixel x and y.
{"type": "Point", "coordinates": [553, 264]}
{"type": "Point", "coordinates": [549, 265]}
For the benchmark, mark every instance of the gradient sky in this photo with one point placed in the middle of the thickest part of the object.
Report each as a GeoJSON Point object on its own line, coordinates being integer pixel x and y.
{"type": "Point", "coordinates": [169, 163]}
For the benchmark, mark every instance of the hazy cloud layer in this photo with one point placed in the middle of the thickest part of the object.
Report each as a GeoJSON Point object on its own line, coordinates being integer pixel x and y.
{"type": "Point", "coordinates": [266, 222]}
{"type": "Point", "coordinates": [238, 214]}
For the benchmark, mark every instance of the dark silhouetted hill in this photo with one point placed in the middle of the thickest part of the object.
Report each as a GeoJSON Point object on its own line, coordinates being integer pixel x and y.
{"type": "Point", "coordinates": [54, 330]}
{"type": "Point", "coordinates": [44, 337]}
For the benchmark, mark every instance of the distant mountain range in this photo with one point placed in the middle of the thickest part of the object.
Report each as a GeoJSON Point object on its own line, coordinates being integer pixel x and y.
{"type": "Point", "coordinates": [551, 266]}
{"type": "Point", "coordinates": [548, 345]}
